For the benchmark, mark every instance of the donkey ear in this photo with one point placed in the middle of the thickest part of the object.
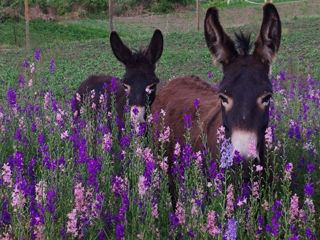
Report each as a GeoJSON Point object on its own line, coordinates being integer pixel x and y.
{"type": "Point", "coordinates": [268, 40]}
{"type": "Point", "coordinates": [219, 43]}
{"type": "Point", "coordinates": [121, 51]}
{"type": "Point", "coordinates": [154, 50]}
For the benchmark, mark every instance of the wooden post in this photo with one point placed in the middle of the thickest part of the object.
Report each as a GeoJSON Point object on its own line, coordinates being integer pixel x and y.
{"type": "Point", "coordinates": [110, 15]}
{"type": "Point", "coordinates": [26, 16]}
{"type": "Point", "coordinates": [197, 9]}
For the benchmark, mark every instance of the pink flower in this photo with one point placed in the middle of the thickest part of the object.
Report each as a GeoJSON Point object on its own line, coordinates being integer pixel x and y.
{"type": "Point", "coordinates": [294, 207]}
{"type": "Point", "coordinates": [6, 236]}
{"type": "Point", "coordinates": [220, 134]}
{"type": "Point", "coordinates": [198, 158]}
{"type": "Point", "coordinates": [41, 188]}
{"type": "Point", "coordinates": [38, 231]}
{"type": "Point", "coordinates": [194, 209]}
{"type": "Point", "coordinates": [18, 199]}
{"type": "Point", "coordinates": [230, 199]}
{"type": "Point", "coordinates": [79, 196]}
{"type": "Point", "coordinates": [93, 93]}
{"type": "Point", "coordinates": [213, 230]}
{"type": "Point", "coordinates": [150, 118]}
{"type": "Point", "coordinates": [6, 174]}
{"type": "Point", "coordinates": [181, 213]}
{"type": "Point", "coordinates": [265, 205]}
{"type": "Point", "coordinates": [72, 223]}
{"type": "Point", "coordinates": [164, 137]}
{"type": "Point", "coordinates": [46, 101]}
{"type": "Point", "coordinates": [32, 68]}
{"type": "Point", "coordinates": [155, 211]}
{"type": "Point", "coordinates": [147, 155]}
{"type": "Point", "coordinates": [310, 205]}
{"type": "Point", "coordinates": [142, 186]}
{"type": "Point", "coordinates": [259, 168]}
{"type": "Point", "coordinates": [255, 190]}
{"type": "Point", "coordinates": [107, 142]}
{"type": "Point", "coordinates": [64, 135]}
{"type": "Point", "coordinates": [252, 151]}
{"type": "Point", "coordinates": [268, 137]}
{"type": "Point", "coordinates": [164, 164]}
{"type": "Point", "coordinates": [101, 98]}
{"type": "Point", "coordinates": [177, 149]}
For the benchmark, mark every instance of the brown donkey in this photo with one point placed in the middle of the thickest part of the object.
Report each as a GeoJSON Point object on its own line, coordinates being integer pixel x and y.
{"type": "Point", "coordinates": [241, 102]}
{"type": "Point", "coordinates": [138, 83]}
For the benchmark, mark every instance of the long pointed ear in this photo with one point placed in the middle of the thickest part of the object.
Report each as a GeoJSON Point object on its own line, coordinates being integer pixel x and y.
{"type": "Point", "coordinates": [268, 40]}
{"type": "Point", "coordinates": [154, 50]}
{"type": "Point", "coordinates": [219, 43]}
{"type": "Point", "coordinates": [121, 51]}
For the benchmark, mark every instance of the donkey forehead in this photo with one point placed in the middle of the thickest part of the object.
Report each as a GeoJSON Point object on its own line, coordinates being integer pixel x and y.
{"type": "Point", "coordinates": [139, 77]}
{"type": "Point", "coordinates": [245, 81]}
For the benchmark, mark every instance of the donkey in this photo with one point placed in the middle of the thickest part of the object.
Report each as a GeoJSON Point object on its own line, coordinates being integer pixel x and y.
{"type": "Point", "coordinates": [241, 102]}
{"type": "Point", "coordinates": [138, 84]}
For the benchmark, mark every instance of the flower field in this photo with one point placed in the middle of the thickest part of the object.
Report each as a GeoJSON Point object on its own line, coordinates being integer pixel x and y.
{"type": "Point", "coordinates": [68, 178]}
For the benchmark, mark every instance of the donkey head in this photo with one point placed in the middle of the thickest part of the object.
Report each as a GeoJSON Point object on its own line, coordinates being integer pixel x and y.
{"type": "Point", "coordinates": [139, 80]}
{"type": "Point", "coordinates": [245, 89]}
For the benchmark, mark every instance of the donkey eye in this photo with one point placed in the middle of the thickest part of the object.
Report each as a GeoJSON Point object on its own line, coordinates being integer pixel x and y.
{"type": "Point", "coordinates": [223, 99]}
{"type": "Point", "coordinates": [266, 100]}
{"type": "Point", "coordinates": [226, 102]}
{"type": "Point", "coordinates": [126, 87]}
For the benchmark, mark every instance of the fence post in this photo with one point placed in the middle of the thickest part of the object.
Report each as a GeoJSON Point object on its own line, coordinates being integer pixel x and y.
{"type": "Point", "coordinates": [26, 16]}
{"type": "Point", "coordinates": [197, 10]}
{"type": "Point", "coordinates": [110, 15]}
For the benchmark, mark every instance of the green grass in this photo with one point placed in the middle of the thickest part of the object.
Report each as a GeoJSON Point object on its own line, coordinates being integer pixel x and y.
{"type": "Point", "coordinates": [47, 33]}
{"type": "Point", "coordinates": [83, 49]}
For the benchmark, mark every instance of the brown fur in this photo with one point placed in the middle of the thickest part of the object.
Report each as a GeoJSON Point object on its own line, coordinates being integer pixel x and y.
{"type": "Point", "coordinates": [180, 94]}
{"type": "Point", "coordinates": [97, 82]}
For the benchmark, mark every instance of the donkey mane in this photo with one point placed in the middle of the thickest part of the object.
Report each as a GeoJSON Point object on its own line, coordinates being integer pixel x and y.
{"type": "Point", "coordinates": [243, 43]}
{"type": "Point", "coordinates": [139, 56]}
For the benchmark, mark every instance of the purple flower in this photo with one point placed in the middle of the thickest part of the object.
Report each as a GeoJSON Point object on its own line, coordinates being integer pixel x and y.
{"type": "Point", "coordinates": [113, 86]}
{"type": "Point", "coordinates": [50, 200]}
{"type": "Point", "coordinates": [93, 166]}
{"type": "Point", "coordinates": [209, 75]}
{"type": "Point", "coordinates": [21, 81]}
{"type": "Point", "coordinates": [311, 167]}
{"type": "Point", "coordinates": [308, 189]}
{"type": "Point", "coordinates": [310, 234]}
{"type": "Point", "coordinates": [231, 233]}
{"type": "Point", "coordinates": [173, 220]}
{"type": "Point", "coordinates": [237, 157]}
{"type": "Point", "coordinates": [52, 69]}
{"type": "Point", "coordinates": [5, 216]}
{"type": "Point", "coordinates": [187, 121]}
{"type": "Point", "coordinates": [119, 231]}
{"type": "Point", "coordinates": [135, 111]}
{"type": "Point", "coordinates": [196, 102]}
{"type": "Point", "coordinates": [25, 64]}
{"type": "Point", "coordinates": [37, 54]}
{"type": "Point", "coordinates": [11, 97]}
{"type": "Point", "coordinates": [41, 139]}
{"type": "Point", "coordinates": [226, 154]}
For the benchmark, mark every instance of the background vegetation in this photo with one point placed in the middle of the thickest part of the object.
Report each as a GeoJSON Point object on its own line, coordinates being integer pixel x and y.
{"type": "Point", "coordinates": [34, 122]}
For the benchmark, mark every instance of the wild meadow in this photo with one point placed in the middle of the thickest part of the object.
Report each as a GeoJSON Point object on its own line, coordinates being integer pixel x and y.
{"type": "Point", "coordinates": [64, 177]}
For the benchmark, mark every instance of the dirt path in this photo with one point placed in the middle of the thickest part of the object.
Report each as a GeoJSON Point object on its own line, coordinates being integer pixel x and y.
{"type": "Point", "coordinates": [230, 17]}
